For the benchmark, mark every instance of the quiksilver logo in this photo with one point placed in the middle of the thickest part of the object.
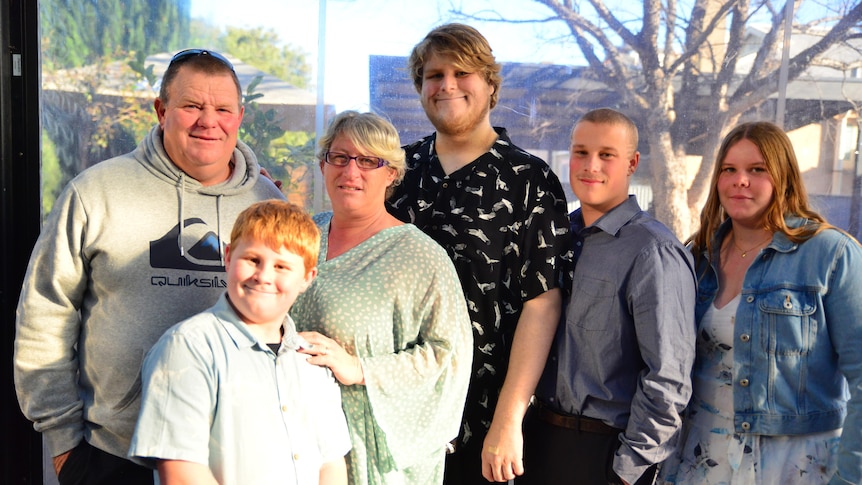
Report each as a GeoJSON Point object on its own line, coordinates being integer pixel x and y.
{"type": "Point", "coordinates": [189, 280]}
{"type": "Point", "coordinates": [201, 249]}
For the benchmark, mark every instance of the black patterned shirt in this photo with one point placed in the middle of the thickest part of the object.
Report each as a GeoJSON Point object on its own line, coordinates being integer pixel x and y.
{"type": "Point", "coordinates": [503, 221]}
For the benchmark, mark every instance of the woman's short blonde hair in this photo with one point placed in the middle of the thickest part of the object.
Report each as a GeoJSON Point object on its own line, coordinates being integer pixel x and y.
{"type": "Point", "coordinates": [371, 133]}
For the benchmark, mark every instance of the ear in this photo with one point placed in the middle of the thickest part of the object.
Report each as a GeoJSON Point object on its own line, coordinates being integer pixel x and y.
{"type": "Point", "coordinates": [160, 108]}
{"type": "Point", "coordinates": [309, 277]}
{"type": "Point", "coordinates": [393, 174]}
{"type": "Point", "coordinates": [633, 163]}
{"type": "Point", "coordinates": [227, 257]}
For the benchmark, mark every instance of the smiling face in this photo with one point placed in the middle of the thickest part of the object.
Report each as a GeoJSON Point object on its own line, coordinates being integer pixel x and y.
{"type": "Point", "coordinates": [602, 158]}
{"type": "Point", "coordinates": [200, 122]}
{"type": "Point", "coordinates": [353, 191]}
{"type": "Point", "coordinates": [262, 283]}
{"type": "Point", "coordinates": [745, 188]}
{"type": "Point", "coordinates": [455, 101]}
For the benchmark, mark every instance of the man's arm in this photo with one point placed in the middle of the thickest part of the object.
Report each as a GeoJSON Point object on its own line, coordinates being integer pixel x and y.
{"type": "Point", "coordinates": [503, 449]}
{"type": "Point", "coordinates": [334, 472]}
{"type": "Point", "coordinates": [662, 291]}
{"type": "Point", "coordinates": [48, 326]}
{"type": "Point", "coordinates": [178, 472]}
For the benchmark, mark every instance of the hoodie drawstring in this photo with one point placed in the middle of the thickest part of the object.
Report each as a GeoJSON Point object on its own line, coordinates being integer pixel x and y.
{"type": "Point", "coordinates": [181, 188]}
{"type": "Point", "coordinates": [218, 229]}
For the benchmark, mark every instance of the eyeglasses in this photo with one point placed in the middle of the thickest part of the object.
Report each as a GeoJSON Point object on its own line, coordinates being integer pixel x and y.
{"type": "Point", "coordinates": [182, 55]}
{"type": "Point", "coordinates": [363, 162]}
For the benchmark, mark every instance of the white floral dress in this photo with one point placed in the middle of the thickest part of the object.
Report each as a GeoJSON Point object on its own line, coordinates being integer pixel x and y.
{"type": "Point", "coordinates": [711, 453]}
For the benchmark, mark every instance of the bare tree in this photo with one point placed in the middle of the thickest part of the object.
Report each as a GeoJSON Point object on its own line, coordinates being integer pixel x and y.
{"type": "Point", "coordinates": [686, 53]}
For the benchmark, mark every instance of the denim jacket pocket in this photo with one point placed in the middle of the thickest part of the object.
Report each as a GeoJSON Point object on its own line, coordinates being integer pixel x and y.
{"type": "Point", "coordinates": [788, 328]}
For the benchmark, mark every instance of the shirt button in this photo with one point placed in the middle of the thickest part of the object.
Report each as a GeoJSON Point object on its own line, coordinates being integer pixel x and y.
{"type": "Point", "coordinates": [578, 243]}
{"type": "Point", "coordinates": [746, 426]}
{"type": "Point", "coordinates": [745, 337]}
{"type": "Point", "coordinates": [749, 298]}
{"type": "Point", "coordinates": [445, 185]}
{"type": "Point", "coordinates": [295, 456]}
{"type": "Point", "coordinates": [743, 383]}
{"type": "Point", "coordinates": [284, 408]}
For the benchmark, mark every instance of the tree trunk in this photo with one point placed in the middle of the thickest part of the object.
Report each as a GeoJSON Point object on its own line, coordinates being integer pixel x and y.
{"type": "Point", "coordinates": [669, 181]}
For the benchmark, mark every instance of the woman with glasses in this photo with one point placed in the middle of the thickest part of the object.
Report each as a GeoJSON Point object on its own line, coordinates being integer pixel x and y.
{"type": "Point", "coordinates": [385, 313]}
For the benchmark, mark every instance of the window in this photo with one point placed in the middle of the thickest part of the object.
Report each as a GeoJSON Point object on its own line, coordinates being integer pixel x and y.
{"type": "Point", "coordinates": [300, 62]}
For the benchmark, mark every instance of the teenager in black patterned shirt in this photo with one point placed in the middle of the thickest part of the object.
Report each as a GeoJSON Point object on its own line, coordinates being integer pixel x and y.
{"type": "Point", "coordinates": [501, 215]}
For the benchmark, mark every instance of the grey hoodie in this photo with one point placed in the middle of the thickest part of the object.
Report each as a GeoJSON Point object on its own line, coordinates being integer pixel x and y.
{"type": "Point", "coordinates": [133, 245]}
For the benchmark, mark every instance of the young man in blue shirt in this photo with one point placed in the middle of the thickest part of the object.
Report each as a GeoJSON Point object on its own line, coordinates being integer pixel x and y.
{"type": "Point", "coordinates": [607, 407]}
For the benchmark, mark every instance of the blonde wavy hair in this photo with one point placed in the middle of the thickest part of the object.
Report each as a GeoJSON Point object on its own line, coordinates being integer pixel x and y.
{"type": "Point", "coordinates": [463, 44]}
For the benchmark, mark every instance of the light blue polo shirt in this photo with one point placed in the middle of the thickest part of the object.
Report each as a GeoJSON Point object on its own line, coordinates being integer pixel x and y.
{"type": "Point", "coordinates": [213, 394]}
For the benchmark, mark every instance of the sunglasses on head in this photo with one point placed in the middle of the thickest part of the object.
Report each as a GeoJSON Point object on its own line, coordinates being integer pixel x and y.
{"type": "Point", "coordinates": [188, 53]}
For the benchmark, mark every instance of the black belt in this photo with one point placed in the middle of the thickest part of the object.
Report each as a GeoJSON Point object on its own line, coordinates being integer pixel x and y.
{"type": "Point", "coordinates": [577, 422]}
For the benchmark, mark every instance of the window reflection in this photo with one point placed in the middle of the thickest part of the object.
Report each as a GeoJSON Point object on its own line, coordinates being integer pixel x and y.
{"type": "Point", "coordinates": [100, 70]}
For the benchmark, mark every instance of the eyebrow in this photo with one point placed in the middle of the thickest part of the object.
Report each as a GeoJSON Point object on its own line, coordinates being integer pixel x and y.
{"type": "Point", "coordinates": [602, 148]}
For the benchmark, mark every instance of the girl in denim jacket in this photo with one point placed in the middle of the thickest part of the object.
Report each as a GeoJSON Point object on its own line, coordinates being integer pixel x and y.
{"type": "Point", "coordinates": [778, 371]}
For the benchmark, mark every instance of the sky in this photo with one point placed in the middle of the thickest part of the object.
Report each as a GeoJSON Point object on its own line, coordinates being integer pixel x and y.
{"type": "Point", "coordinates": [356, 29]}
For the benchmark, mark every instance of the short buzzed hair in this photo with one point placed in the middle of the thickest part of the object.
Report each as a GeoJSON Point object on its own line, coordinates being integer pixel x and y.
{"type": "Point", "coordinates": [608, 116]}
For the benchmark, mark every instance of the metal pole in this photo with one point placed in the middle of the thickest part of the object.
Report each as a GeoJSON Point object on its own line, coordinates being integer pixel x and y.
{"type": "Point", "coordinates": [785, 59]}
{"type": "Point", "coordinates": [320, 109]}
{"type": "Point", "coordinates": [856, 197]}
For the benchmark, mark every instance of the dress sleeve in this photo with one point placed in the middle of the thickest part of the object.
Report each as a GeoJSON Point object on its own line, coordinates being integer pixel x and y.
{"type": "Point", "coordinates": [48, 325]}
{"type": "Point", "coordinates": [417, 393]}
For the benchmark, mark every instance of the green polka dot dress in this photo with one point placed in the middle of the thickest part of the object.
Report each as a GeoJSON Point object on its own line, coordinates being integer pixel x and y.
{"type": "Point", "coordinates": [396, 302]}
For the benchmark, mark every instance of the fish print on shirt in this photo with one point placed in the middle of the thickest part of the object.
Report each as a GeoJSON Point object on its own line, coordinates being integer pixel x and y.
{"type": "Point", "coordinates": [503, 221]}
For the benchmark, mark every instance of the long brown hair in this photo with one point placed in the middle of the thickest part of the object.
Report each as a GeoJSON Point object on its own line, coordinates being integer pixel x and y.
{"type": "Point", "coordinates": [789, 197]}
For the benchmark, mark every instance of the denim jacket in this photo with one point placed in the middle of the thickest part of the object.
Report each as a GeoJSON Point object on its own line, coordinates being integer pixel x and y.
{"type": "Point", "coordinates": [798, 335]}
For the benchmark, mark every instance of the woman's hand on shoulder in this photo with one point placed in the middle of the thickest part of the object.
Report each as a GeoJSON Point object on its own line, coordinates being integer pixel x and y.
{"type": "Point", "coordinates": [326, 352]}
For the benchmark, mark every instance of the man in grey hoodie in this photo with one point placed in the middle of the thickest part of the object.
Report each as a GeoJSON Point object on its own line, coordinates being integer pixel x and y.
{"type": "Point", "coordinates": [132, 246]}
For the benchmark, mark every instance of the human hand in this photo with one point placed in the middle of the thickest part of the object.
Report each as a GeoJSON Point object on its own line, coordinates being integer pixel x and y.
{"type": "Point", "coordinates": [326, 352]}
{"type": "Point", "coordinates": [502, 453]}
{"type": "Point", "coordinates": [278, 183]}
{"type": "Point", "coordinates": [60, 460]}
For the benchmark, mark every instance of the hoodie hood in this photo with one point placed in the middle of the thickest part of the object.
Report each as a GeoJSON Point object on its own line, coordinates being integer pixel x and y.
{"type": "Point", "coordinates": [152, 155]}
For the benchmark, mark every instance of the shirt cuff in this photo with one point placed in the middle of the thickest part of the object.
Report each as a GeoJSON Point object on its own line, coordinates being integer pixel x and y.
{"type": "Point", "coordinates": [62, 439]}
{"type": "Point", "coordinates": [628, 465]}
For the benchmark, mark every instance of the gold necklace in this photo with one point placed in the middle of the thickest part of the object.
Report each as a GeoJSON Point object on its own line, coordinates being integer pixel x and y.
{"type": "Point", "coordinates": [743, 252]}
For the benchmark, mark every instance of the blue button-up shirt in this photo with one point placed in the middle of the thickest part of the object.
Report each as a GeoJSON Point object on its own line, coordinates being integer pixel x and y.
{"type": "Point", "coordinates": [625, 350]}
